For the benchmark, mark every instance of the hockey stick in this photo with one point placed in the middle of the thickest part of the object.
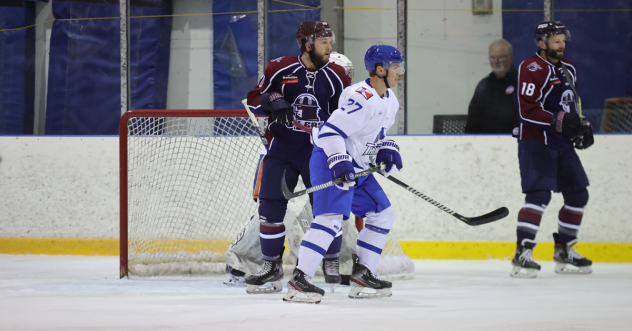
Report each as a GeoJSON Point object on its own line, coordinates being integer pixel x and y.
{"type": "Point", "coordinates": [288, 194]}
{"type": "Point", "coordinates": [258, 128]}
{"type": "Point", "coordinates": [496, 215]}
{"type": "Point", "coordinates": [472, 221]}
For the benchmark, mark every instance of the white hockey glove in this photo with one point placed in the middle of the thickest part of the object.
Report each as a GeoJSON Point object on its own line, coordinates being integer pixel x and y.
{"type": "Point", "coordinates": [389, 155]}
{"type": "Point", "coordinates": [341, 167]}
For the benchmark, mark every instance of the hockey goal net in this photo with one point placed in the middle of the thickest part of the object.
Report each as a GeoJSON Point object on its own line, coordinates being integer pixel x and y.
{"type": "Point", "coordinates": [186, 186]}
{"type": "Point", "coordinates": [617, 115]}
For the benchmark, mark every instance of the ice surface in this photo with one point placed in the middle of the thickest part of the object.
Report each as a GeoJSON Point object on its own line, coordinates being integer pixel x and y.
{"type": "Point", "coordinates": [39, 292]}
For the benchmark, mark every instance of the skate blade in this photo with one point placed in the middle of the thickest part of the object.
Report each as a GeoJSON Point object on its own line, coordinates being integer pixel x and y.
{"type": "Point", "coordinates": [295, 296]}
{"type": "Point", "coordinates": [274, 287]}
{"type": "Point", "coordinates": [518, 272]}
{"type": "Point", "coordinates": [566, 269]}
{"type": "Point", "coordinates": [357, 292]}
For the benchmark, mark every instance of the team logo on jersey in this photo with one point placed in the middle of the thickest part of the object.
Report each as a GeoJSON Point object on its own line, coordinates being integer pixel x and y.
{"type": "Point", "coordinates": [306, 112]}
{"type": "Point", "coordinates": [365, 92]}
{"type": "Point", "coordinates": [371, 149]}
{"type": "Point", "coordinates": [510, 89]}
{"type": "Point", "coordinates": [290, 79]}
{"type": "Point", "coordinates": [277, 60]}
{"type": "Point", "coordinates": [534, 66]}
{"type": "Point", "coordinates": [568, 98]}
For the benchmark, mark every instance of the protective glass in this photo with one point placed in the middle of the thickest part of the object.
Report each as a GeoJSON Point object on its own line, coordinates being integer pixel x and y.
{"type": "Point", "coordinates": [323, 37]}
{"type": "Point", "coordinates": [566, 33]}
{"type": "Point", "coordinates": [401, 68]}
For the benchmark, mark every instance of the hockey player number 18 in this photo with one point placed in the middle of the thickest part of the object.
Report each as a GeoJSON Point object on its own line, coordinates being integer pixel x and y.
{"type": "Point", "coordinates": [529, 89]}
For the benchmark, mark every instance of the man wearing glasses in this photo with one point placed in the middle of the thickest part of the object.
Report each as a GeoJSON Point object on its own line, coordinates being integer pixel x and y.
{"type": "Point", "coordinates": [492, 108]}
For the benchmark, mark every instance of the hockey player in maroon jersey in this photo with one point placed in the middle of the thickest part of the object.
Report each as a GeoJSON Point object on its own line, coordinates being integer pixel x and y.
{"type": "Point", "coordinates": [549, 130]}
{"type": "Point", "coordinates": [300, 89]}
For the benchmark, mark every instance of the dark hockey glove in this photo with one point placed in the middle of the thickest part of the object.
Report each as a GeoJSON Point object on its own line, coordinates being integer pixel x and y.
{"type": "Point", "coordinates": [568, 124]}
{"type": "Point", "coordinates": [279, 109]}
{"type": "Point", "coordinates": [389, 155]}
{"type": "Point", "coordinates": [586, 139]}
{"type": "Point", "coordinates": [341, 167]}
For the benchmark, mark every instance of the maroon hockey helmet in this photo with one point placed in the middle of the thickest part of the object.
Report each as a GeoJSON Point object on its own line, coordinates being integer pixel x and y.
{"type": "Point", "coordinates": [310, 30]}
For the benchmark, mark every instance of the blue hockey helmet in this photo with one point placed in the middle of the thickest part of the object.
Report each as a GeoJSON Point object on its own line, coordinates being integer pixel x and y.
{"type": "Point", "coordinates": [383, 55]}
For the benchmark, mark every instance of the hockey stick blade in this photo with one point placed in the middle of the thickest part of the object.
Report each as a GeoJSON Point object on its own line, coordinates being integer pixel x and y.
{"type": "Point", "coordinates": [288, 194]}
{"type": "Point", "coordinates": [496, 215]}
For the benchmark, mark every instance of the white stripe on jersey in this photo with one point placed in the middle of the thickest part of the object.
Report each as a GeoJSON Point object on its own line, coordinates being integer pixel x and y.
{"type": "Point", "coordinates": [333, 89]}
{"type": "Point", "coordinates": [339, 80]}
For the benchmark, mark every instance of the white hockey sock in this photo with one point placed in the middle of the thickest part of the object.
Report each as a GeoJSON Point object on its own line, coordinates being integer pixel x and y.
{"type": "Point", "coordinates": [316, 242]}
{"type": "Point", "coordinates": [372, 238]}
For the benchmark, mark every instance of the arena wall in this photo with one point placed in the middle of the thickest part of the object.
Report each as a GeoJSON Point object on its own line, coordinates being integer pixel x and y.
{"type": "Point", "coordinates": [59, 195]}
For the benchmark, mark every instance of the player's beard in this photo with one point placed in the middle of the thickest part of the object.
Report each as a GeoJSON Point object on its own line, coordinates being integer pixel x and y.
{"type": "Point", "coordinates": [318, 60]}
{"type": "Point", "coordinates": [553, 54]}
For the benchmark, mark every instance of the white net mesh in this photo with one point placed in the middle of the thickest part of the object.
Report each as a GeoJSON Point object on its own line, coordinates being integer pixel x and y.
{"type": "Point", "coordinates": [617, 115]}
{"type": "Point", "coordinates": [190, 183]}
{"type": "Point", "coordinates": [189, 190]}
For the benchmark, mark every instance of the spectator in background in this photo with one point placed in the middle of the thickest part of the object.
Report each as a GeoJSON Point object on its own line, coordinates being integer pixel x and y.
{"type": "Point", "coordinates": [492, 108]}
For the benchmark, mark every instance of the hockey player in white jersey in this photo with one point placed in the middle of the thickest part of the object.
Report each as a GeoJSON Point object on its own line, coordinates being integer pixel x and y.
{"type": "Point", "coordinates": [352, 139]}
{"type": "Point", "coordinates": [244, 254]}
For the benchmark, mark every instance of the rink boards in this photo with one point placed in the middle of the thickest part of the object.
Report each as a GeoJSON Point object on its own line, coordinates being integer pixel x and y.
{"type": "Point", "coordinates": [60, 196]}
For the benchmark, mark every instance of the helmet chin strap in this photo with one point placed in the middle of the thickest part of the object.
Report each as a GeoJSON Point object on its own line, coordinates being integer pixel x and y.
{"type": "Point", "coordinates": [384, 78]}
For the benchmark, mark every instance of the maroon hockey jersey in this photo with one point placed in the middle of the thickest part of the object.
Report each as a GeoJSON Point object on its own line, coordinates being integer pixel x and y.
{"type": "Point", "coordinates": [313, 95]}
{"type": "Point", "coordinates": [543, 91]}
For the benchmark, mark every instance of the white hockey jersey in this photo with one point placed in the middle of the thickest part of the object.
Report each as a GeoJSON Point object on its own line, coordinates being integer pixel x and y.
{"type": "Point", "coordinates": [359, 125]}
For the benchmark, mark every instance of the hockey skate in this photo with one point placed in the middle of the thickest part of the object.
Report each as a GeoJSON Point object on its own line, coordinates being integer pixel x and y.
{"type": "Point", "coordinates": [523, 264]}
{"type": "Point", "coordinates": [300, 289]}
{"type": "Point", "coordinates": [272, 272]}
{"type": "Point", "coordinates": [332, 275]}
{"type": "Point", "coordinates": [565, 256]}
{"type": "Point", "coordinates": [362, 278]}
{"type": "Point", "coordinates": [234, 277]}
